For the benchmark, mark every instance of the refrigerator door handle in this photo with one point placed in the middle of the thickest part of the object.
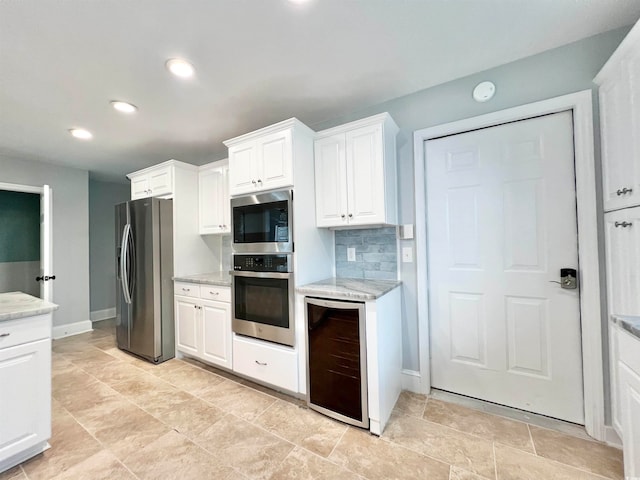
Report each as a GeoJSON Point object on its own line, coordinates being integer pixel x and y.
{"type": "Point", "coordinates": [124, 260]}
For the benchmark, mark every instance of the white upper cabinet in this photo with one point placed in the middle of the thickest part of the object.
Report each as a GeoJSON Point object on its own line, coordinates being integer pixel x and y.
{"type": "Point", "coordinates": [153, 181]}
{"type": "Point", "coordinates": [622, 249]}
{"type": "Point", "coordinates": [262, 160]}
{"type": "Point", "coordinates": [355, 174]}
{"type": "Point", "coordinates": [619, 93]}
{"type": "Point", "coordinates": [213, 200]}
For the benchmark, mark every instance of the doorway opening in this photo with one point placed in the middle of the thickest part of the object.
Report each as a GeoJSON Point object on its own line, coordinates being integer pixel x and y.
{"type": "Point", "coordinates": [25, 240]}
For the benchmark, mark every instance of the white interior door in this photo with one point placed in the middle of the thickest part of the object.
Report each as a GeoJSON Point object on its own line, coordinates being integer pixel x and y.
{"type": "Point", "coordinates": [501, 224]}
{"type": "Point", "coordinates": [46, 287]}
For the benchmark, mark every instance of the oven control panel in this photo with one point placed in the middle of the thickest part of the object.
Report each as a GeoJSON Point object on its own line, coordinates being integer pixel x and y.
{"type": "Point", "coordinates": [262, 263]}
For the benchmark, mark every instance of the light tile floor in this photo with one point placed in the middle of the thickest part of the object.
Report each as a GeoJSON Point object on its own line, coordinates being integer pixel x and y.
{"type": "Point", "coordinates": [116, 417]}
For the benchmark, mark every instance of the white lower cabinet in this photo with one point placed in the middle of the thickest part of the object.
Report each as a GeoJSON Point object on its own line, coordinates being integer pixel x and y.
{"type": "Point", "coordinates": [203, 325]}
{"type": "Point", "coordinates": [266, 362]}
{"type": "Point", "coordinates": [628, 376]}
{"type": "Point", "coordinates": [25, 388]}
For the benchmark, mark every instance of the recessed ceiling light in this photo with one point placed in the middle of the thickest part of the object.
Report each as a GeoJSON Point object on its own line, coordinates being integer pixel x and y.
{"type": "Point", "coordinates": [180, 68]}
{"type": "Point", "coordinates": [123, 107]}
{"type": "Point", "coordinates": [81, 133]}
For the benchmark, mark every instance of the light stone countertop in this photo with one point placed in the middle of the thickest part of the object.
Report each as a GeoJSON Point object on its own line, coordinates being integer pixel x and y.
{"type": "Point", "coordinates": [349, 288]}
{"type": "Point", "coordinates": [213, 278]}
{"type": "Point", "coordinates": [630, 323]}
{"type": "Point", "coordinates": [15, 305]}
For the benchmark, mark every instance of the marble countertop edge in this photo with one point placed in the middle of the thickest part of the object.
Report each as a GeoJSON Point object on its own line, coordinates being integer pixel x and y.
{"type": "Point", "coordinates": [15, 305]}
{"type": "Point", "coordinates": [629, 323]}
{"type": "Point", "coordinates": [211, 278]}
{"type": "Point", "coordinates": [349, 288]}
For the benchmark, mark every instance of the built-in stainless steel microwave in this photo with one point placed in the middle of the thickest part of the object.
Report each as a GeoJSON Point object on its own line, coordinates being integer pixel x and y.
{"type": "Point", "coordinates": [262, 223]}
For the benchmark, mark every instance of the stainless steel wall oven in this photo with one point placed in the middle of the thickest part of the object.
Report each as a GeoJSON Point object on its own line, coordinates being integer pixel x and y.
{"type": "Point", "coordinates": [263, 297]}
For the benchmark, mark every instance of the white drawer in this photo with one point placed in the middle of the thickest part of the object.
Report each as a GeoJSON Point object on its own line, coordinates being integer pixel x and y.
{"type": "Point", "coordinates": [266, 362]}
{"type": "Point", "coordinates": [24, 330]}
{"type": "Point", "coordinates": [187, 289]}
{"type": "Point", "coordinates": [215, 292]}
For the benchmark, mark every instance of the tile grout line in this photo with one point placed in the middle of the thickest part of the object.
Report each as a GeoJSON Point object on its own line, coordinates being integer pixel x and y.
{"type": "Point", "coordinates": [495, 459]}
{"type": "Point", "coordinates": [104, 447]}
{"type": "Point", "coordinates": [533, 444]}
{"type": "Point", "coordinates": [557, 462]}
{"type": "Point", "coordinates": [338, 442]}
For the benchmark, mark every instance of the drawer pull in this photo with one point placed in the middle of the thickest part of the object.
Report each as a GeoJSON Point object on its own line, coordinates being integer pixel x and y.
{"type": "Point", "coordinates": [624, 191]}
{"type": "Point", "coordinates": [4, 335]}
{"type": "Point", "coordinates": [214, 293]}
{"type": "Point", "coordinates": [622, 224]}
{"type": "Point", "coordinates": [264, 364]}
{"type": "Point", "coordinates": [186, 289]}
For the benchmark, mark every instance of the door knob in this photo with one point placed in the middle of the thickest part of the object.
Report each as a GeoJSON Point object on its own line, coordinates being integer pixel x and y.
{"type": "Point", "coordinates": [568, 279]}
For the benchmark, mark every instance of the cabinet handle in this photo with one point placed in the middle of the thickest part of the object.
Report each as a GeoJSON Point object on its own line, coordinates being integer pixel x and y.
{"type": "Point", "coordinates": [264, 364]}
{"type": "Point", "coordinates": [624, 191]}
{"type": "Point", "coordinates": [4, 335]}
{"type": "Point", "coordinates": [214, 293]}
{"type": "Point", "coordinates": [195, 306]}
{"type": "Point", "coordinates": [623, 224]}
{"type": "Point", "coordinates": [254, 182]}
{"type": "Point", "coordinates": [351, 215]}
{"type": "Point", "coordinates": [186, 289]}
{"type": "Point", "coordinates": [343, 216]}
{"type": "Point", "coordinates": [259, 181]}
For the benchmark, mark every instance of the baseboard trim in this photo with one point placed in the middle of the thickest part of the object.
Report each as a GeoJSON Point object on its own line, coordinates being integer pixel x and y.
{"type": "Point", "coordinates": [98, 315]}
{"type": "Point", "coordinates": [611, 437]}
{"type": "Point", "coordinates": [412, 381]}
{"type": "Point", "coordinates": [69, 329]}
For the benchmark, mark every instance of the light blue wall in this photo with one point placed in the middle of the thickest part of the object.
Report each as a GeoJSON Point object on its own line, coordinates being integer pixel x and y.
{"type": "Point", "coordinates": [103, 196]}
{"type": "Point", "coordinates": [563, 70]}
{"type": "Point", "coordinates": [70, 232]}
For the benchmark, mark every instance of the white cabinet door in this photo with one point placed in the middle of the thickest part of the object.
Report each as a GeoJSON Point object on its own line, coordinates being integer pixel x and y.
{"type": "Point", "coordinates": [614, 383]}
{"type": "Point", "coordinates": [161, 181]}
{"type": "Point", "coordinates": [25, 404]}
{"type": "Point", "coordinates": [365, 176]}
{"type": "Point", "coordinates": [139, 187]}
{"type": "Point", "coordinates": [187, 321]}
{"type": "Point", "coordinates": [620, 124]}
{"type": "Point", "coordinates": [243, 168]}
{"type": "Point", "coordinates": [331, 181]}
{"type": "Point", "coordinates": [216, 333]}
{"type": "Point", "coordinates": [622, 248]}
{"type": "Point", "coordinates": [213, 204]}
{"type": "Point", "coordinates": [152, 183]}
{"type": "Point", "coordinates": [275, 161]}
{"type": "Point", "coordinates": [629, 389]}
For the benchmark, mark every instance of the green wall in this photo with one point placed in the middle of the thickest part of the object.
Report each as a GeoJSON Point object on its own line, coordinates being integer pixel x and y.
{"type": "Point", "coordinates": [19, 227]}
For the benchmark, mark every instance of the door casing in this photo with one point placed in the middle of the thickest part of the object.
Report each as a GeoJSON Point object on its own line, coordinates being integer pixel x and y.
{"type": "Point", "coordinates": [588, 249]}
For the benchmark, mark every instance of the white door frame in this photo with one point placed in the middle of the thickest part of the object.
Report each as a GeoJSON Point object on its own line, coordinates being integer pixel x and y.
{"type": "Point", "coordinates": [46, 259]}
{"type": "Point", "coordinates": [587, 216]}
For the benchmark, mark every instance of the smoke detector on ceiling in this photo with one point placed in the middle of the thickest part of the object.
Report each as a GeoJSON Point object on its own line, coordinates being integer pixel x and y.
{"type": "Point", "coordinates": [484, 92]}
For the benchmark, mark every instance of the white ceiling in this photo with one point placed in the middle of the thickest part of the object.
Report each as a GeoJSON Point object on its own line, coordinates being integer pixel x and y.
{"type": "Point", "coordinates": [257, 62]}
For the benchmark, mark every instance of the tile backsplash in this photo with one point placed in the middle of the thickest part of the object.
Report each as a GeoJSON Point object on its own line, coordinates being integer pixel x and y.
{"type": "Point", "coordinates": [376, 253]}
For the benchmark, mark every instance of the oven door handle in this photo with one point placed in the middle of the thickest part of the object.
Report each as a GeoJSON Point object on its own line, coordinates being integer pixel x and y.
{"type": "Point", "coordinates": [235, 273]}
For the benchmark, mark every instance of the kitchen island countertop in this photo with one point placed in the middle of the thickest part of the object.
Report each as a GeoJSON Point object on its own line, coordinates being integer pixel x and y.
{"type": "Point", "coordinates": [349, 288]}
{"type": "Point", "coordinates": [213, 278]}
{"type": "Point", "coordinates": [630, 323]}
{"type": "Point", "coordinates": [14, 305]}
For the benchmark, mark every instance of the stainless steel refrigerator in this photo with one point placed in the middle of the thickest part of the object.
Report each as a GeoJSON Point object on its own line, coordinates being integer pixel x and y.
{"type": "Point", "coordinates": [144, 285]}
